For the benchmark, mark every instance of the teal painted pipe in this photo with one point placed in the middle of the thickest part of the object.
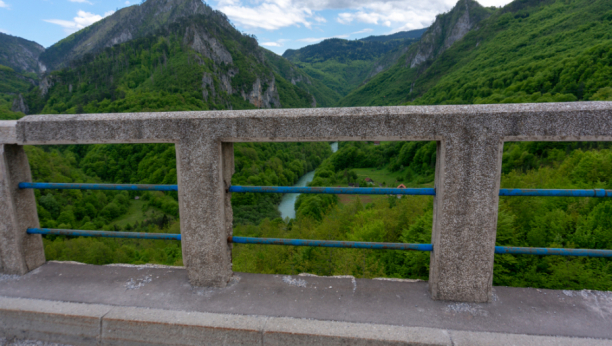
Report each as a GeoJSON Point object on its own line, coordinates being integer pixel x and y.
{"type": "Point", "coordinates": [330, 243]}
{"type": "Point", "coordinates": [334, 190]}
{"type": "Point", "coordinates": [601, 193]}
{"type": "Point", "coordinates": [104, 234]}
{"type": "Point", "coordinates": [324, 243]}
{"type": "Point", "coordinates": [78, 186]}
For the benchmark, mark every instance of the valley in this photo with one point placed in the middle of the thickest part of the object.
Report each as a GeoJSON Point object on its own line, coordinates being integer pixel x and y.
{"type": "Point", "coordinates": [193, 59]}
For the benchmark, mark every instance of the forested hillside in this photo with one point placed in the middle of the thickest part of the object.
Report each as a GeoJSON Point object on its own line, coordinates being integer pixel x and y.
{"type": "Point", "coordinates": [195, 62]}
{"type": "Point", "coordinates": [528, 51]}
{"type": "Point", "coordinates": [343, 65]}
{"type": "Point", "coordinates": [20, 54]}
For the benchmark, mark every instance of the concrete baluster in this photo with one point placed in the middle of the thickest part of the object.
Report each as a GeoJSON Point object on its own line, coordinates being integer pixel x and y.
{"type": "Point", "coordinates": [19, 252]}
{"type": "Point", "coordinates": [468, 172]}
{"type": "Point", "coordinates": [204, 169]}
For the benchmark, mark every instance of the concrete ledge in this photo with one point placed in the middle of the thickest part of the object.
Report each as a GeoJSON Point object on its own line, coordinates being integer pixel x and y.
{"type": "Point", "coordinates": [138, 326]}
{"type": "Point", "coordinates": [87, 324]}
{"type": "Point", "coordinates": [8, 132]}
{"type": "Point", "coordinates": [68, 323]}
{"type": "Point", "coordinates": [292, 331]}
{"type": "Point", "coordinates": [461, 338]}
{"type": "Point", "coordinates": [79, 304]}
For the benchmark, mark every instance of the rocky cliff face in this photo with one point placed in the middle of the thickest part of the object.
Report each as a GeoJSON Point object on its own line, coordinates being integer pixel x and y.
{"type": "Point", "coordinates": [124, 25]}
{"type": "Point", "coordinates": [446, 30]}
{"type": "Point", "coordinates": [20, 54]}
{"type": "Point", "coordinates": [19, 105]}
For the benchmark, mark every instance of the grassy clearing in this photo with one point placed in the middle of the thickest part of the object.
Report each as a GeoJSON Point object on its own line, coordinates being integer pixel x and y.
{"type": "Point", "coordinates": [135, 214]}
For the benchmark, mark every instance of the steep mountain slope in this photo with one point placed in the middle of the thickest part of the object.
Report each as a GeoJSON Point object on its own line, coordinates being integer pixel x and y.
{"type": "Point", "coordinates": [323, 95]}
{"type": "Point", "coordinates": [12, 84]}
{"type": "Point", "coordinates": [126, 24]}
{"type": "Point", "coordinates": [528, 51]}
{"type": "Point", "coordinates": [342, 65]}
{"type": "Point", "coordinates": [194, 63]}
{"type": "Point", "coordinates": [20, 54]}
{"type": "Point", "coordinates": [411, 34]}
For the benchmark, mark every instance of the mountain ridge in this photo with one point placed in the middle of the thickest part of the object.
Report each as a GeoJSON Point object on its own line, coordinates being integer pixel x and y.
{"type": "Point", "coordinates": [125, 24]}
{"type": "Point", "coordinates": [20, 54]}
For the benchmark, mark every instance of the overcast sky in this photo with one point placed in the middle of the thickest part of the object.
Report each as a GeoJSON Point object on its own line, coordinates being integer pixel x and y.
{"type": "Point", "coordinates": [278, 24]}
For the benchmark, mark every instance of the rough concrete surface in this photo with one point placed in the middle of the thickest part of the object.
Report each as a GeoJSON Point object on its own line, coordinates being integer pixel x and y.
{"type": "Point", "coordinates": [470, 138]}
{"type": "Point", "coordinates": [269, 309]}
{"type": "Point", "coordinates": [19, 252]}
{"type": "Point", "coordinates": [53, 321]}
{"type": "Point", "coordinates": [20, 342]}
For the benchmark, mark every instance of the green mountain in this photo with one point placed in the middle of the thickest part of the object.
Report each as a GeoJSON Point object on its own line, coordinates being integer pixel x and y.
{"type": "Point", "coordinates": [527, 51]}
{"type": "Point", "coordinates": [20, 54]}
{"type": "Point", "coordinates": [124, 25]}
{"type": "Point", "coordinates": [322, 95]}
{"type": "Point", "coordinates": [196, 62]}
{"type": "Point", "coordinates": [343, 65]}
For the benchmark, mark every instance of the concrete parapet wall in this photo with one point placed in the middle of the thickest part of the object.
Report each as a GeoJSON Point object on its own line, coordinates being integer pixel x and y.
{"type": "Point", "coordinates": [468, 169]}
{"type": "Point", "coordinates": [91, 324]}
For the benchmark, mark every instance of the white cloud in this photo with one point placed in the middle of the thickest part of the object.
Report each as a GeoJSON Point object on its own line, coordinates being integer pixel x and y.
{"type": "Point", "coordinates": [362, 31]}
{"type": "Point", "coordinates": [267, 14]}
{"type": "Point", "coordinates": [3, 4]}
{"type": "Point", "coordinates": [82, 20]}
{"type": "Point", "coordinates": [127, 2]}
{"type": "Point", "coordinates": [277, 43]}
{"type": "Point", "coordinates": [4, 31]}
{"type": "Point", "coordinates": [81, 1]}
{"type": "Point", "coordinates": [395, 14]}
{"type": "Point", "coordinates": [319, 39]}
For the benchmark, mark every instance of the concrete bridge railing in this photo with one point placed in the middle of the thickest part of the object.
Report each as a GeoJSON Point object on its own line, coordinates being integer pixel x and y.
{"type": "Point", "coordinates": [468, 172]}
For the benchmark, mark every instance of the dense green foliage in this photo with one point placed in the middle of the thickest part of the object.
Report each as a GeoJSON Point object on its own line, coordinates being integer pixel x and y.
{"type": "Point", "coordinates": [528, 51]}
{"type": "Point", "coordinates": [343, 65]}
{"type": "Point", "coordinates": [523, 221]}
{"type": "Point", "coordinates": [323, 95]}
{"type": "Point", "coordinates": [160, 72]}
{"type": "Point", "coordinates": [12, 83]}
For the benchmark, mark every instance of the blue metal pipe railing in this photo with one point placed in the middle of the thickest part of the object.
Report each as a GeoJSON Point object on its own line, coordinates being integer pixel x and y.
{"type": "Point", "coordinates": [105, 234]}
{"type": "Point", "coordinates": [334, 190]}
{"type": "Point", "coordinates": [555, 193]}
{"type": "Point", "coordinates": [325, 243]}
{"type": "Point", "coordinates": [322, 190]}
{"type": "Point", "coordinates": [546, 251]}
{"type": "Point", "coordinates": [78, 186]}
{"type": "Point", "coordinates": [331, 243]}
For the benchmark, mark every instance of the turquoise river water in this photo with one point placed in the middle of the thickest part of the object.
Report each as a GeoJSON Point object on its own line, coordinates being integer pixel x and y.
{"type": "Point", "coordinates": [287, 204]}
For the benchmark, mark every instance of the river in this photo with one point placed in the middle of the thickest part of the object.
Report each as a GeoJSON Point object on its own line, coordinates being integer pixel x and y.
{"type": "Point", "coordinates": [287, 204]}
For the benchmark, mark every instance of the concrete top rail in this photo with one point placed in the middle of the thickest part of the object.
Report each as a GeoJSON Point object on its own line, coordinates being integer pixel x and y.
{"type": "Point", "coordinates": [468, 172]}
{"type": "Point", "coordinates": [542, 121]}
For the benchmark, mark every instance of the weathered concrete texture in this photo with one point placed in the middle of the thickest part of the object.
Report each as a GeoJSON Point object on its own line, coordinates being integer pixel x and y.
{"type": "Point", "coordinates": [468, 175]}
{"type": "Point", "coordinates": [202, 205]}
{"type": "Point", "coordinates": [87, 324]}
{"type": "Point", "coordinates": [470, 139]}
{"type": "Point", "coordinates": [8, 132]}
{"type": "Point", "coordinates": [291, 331]}
{"type": "Point", "coordinates": [19, 252]}
{"type": "Point", "coordinates": [53, 321]}
{"type": "Point", "coordinates": [27, 342]}
{"type": "Point", "coordinates": [577, 314]}
{"type": "Point", "coordinates": [138, 326]}
{"type": "Point", "coordinates": [461, 338]}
